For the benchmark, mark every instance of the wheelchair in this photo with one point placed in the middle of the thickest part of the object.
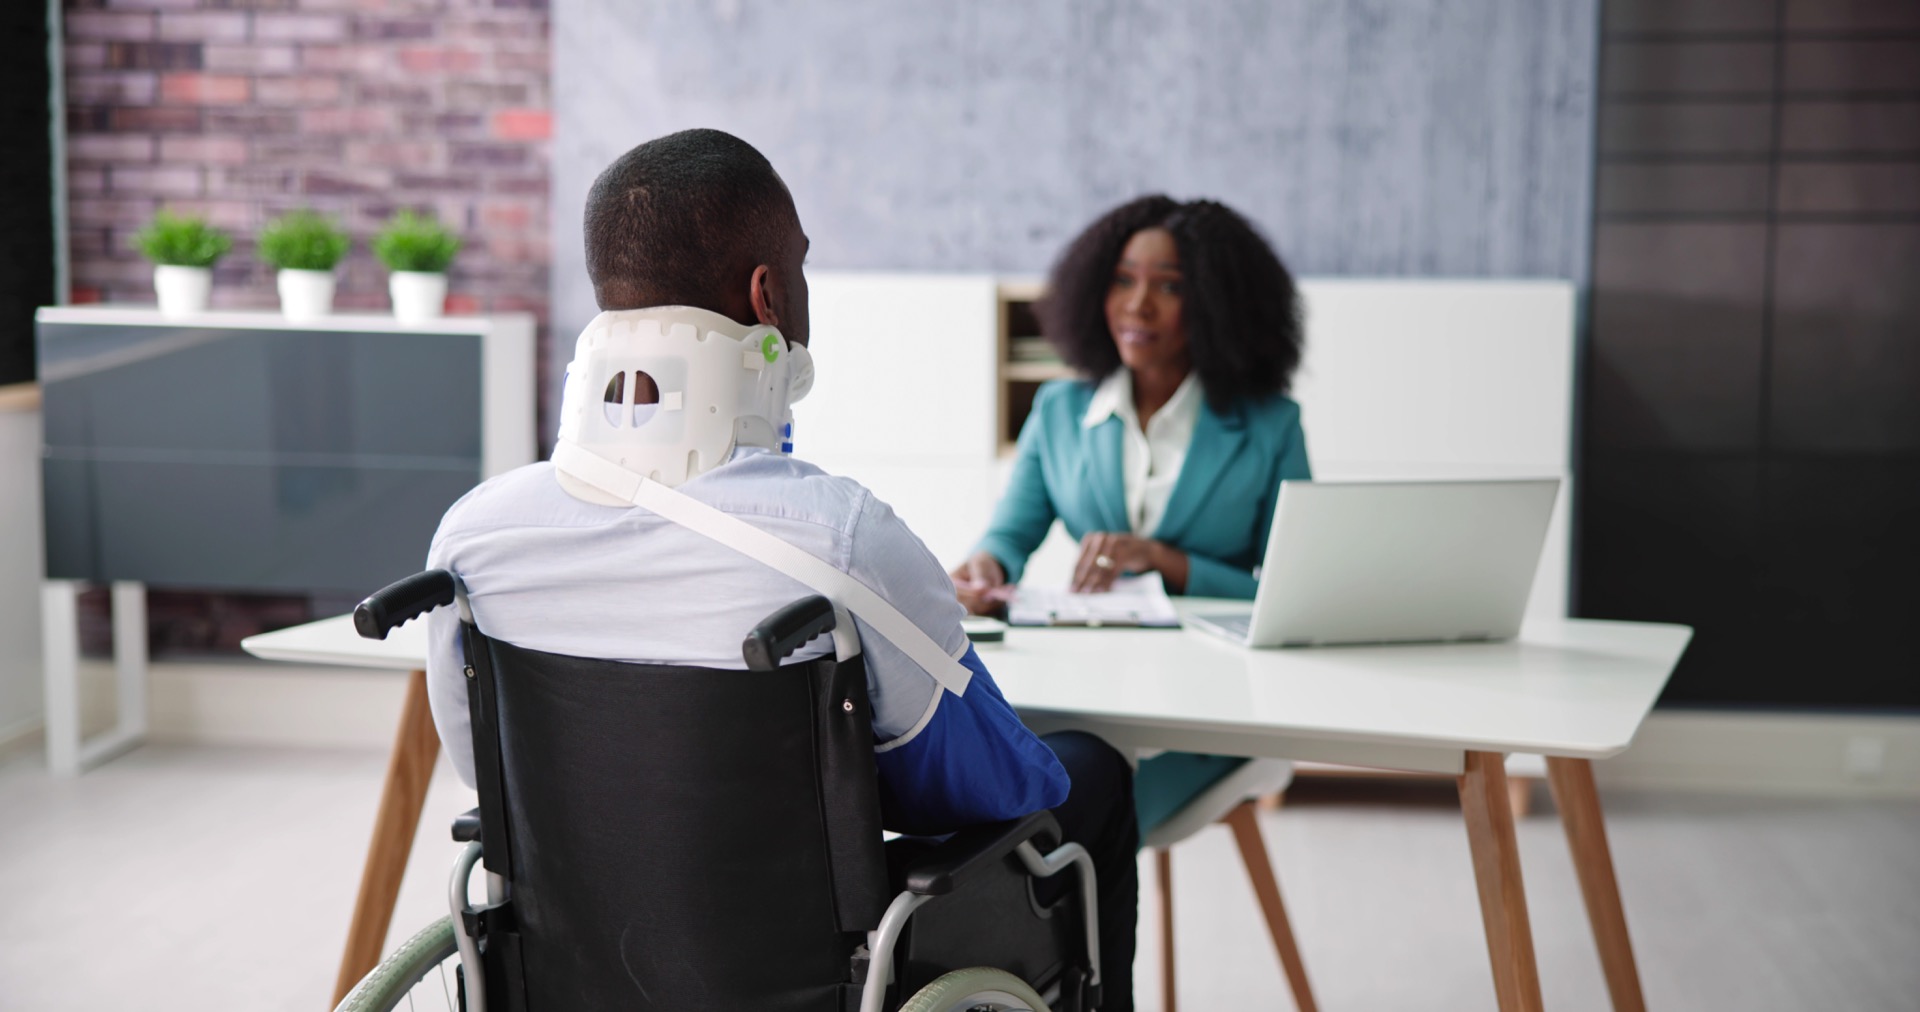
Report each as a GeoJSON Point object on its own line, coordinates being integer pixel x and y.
{"type": "Point", "coordinates": [665, 837]}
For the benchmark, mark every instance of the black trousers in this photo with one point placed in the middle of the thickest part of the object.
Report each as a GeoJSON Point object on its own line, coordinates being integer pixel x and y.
{"type": "Point", "coordinates": [1098, 815]}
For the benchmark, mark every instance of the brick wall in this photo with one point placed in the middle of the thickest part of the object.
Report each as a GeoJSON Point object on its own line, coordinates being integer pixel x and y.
{"type": "Point", "coordinates": [238, 110]}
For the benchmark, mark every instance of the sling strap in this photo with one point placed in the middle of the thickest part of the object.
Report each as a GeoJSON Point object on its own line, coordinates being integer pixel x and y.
{"type": "Point", "coordinates": [847, 594]}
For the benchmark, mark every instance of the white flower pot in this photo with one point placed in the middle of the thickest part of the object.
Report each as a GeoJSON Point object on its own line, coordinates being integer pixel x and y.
{"type": "Point", "coordinates": [305, 295]}
{"type": "Point", "coordinates": [183, 291]}
{"type": "Point", "coordinates": [418, 296]}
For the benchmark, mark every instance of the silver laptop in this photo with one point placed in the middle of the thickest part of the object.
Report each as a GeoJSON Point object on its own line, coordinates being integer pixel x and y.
{"type": "Point", "coordinates": [1395, 562]}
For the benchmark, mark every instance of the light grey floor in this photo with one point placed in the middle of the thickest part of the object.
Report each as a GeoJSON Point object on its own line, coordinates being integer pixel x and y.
{"type": "Point", "coordinates": [204, 878]}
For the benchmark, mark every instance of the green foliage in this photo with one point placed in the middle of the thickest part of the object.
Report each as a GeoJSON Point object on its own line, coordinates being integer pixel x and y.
{"type": "Point", "coordinates": [415, 242]}
{"type": "Point", "coordinates": [303, 241]}
{"type": "Point", "coordinates": [174, 240]}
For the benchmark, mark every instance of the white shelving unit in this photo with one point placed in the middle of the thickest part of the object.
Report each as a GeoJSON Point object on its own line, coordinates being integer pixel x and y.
{"type": "Point", "coordinates": [918, 393]}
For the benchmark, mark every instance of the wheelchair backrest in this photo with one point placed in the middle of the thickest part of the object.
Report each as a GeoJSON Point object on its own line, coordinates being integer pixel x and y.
{"type": "Point", "coordinates": [674, 837]}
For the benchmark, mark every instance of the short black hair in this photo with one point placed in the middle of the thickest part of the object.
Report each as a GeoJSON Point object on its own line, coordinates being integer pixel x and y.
{"type": "Point", "coordinates": [1239, 304]}
{"type": "Point", "coordinates": [683, 220]}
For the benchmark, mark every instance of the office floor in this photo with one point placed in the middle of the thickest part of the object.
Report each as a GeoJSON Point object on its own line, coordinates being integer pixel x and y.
{"type": "Point", "coordinates": [192, 878]}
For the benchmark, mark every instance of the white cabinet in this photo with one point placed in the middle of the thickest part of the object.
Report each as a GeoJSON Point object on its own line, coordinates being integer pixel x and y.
{"type": "Point", "coordinates": [1403, 378]}
{"type": "Point", "coordinates": [903, 397]}
{"type": "Point", "coordinates": [1445, 379]}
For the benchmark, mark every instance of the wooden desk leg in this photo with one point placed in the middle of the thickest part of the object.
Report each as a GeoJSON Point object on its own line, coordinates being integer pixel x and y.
{"type": "Point", "coordinates": [1163, 873]}
{"type": "Point", "coordinates": [1253, 853]}
{"type": "Point", "coordinates": [1496, 867]}
{"type": "Point", "coordinates": [1579, 803]}
{"type": "Point", "coordinates": [1520, 796]}
{"type": "Point", "coordinates": [415, 747]}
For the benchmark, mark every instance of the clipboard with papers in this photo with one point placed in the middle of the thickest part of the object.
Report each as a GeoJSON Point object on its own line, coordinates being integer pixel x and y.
{"type": "Point", "coordinates": [1139, 601]}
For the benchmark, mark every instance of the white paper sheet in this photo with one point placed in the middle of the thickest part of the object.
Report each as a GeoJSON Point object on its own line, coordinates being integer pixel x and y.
{"type": "Point", "coordinates": [1134, 600]}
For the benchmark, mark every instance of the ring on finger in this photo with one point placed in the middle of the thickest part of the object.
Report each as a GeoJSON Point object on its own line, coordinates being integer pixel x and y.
{"type": "Point", "coordinates": [1103, 561]}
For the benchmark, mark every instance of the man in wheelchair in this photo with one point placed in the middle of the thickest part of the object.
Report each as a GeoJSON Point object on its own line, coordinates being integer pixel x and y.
{"type": "Point", "coordinates": [680, 832]}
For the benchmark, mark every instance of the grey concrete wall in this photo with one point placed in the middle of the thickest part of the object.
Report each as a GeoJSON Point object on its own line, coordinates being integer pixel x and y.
{"type": "Point", "coordinates": [1368, 137]}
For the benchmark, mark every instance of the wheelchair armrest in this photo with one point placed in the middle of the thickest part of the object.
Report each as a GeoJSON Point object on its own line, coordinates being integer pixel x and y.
{"type": "Point", "coordinates": [466, 826]}
{"type": "Point", "coordinates": [392, 605]}
{"type": "Point", "coordinates": [939, 870]}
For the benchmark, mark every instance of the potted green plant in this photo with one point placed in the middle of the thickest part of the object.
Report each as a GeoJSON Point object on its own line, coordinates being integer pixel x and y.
{"type": "Point", "coordinates": [183, 250]}
{"type": "Point", "coordinates": [306, 247]}
{"type": "Point", "coordinates": [418, 250]}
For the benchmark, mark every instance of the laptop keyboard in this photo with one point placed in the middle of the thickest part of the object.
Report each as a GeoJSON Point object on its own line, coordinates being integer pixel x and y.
{"type": "Point", "coordinates": [1236, 625]}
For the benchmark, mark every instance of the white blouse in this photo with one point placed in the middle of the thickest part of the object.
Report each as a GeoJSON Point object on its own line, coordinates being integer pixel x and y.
{"type": "Point", "coordinates": [1150, 460]}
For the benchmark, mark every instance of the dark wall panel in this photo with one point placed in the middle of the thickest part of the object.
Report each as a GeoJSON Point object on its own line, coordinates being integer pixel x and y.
{"type": "Point", "coordinates": [1846, 340]}
{"type": "Point", "coordinates": [1851, 15]}
{"type": "Point", "coordinates": [1850, 127]}
{"type": "Point", "coordinates": [1857, 66]}
{"type": "Point", "coordinates": [1675, 538]}
{"type": "Point", "coordinates": [1705, 188]}
{"type": "Point", "coordinates": [1689, 15]}
{"type": "Point", "coordinates": [1700, 128]}
{"type": "Point", "coordinates": [1680, 307]}
{"type": "Point", "coordinates": [1751, 437]}
{"type": "Point", "coordinates": [1686, 68]}
{"type": "Point", "coordinates": [26, 180]}
{"type": "Point", "coordinates": [1838, 588]}
{"type": "Point", "coordinates": [1849, 188]}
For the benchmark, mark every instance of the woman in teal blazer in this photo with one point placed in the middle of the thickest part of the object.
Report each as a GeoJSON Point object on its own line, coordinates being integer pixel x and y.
{"type": "Point", "coordinates": [1167, 453]}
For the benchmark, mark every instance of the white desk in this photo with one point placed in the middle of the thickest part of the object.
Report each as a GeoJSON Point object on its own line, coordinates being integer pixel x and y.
{"type": "Point", "coordinates": [1573, 688]}
{"type": "Point", "coordinates": [1572, 691]}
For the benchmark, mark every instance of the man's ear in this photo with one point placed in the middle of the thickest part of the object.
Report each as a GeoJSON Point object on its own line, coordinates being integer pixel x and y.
{"type": "Point", "coordinates": [766, 296]}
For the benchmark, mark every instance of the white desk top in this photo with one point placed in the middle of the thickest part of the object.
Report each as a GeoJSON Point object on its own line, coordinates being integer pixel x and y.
{"type": "Point", "coordinates": [334, 641]}
{"type": "Point", "coordinates": [1577, 688]}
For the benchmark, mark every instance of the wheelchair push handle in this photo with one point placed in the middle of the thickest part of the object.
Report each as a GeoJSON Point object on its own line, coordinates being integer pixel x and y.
{"type": "Point", "coordinates": [394, 604]}
{"type": "Point", "coordinates": [781, 633]}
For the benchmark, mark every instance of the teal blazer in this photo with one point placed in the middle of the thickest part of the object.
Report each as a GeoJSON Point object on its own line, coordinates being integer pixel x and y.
{"type": "Point", "coordinates": [1222, 503]}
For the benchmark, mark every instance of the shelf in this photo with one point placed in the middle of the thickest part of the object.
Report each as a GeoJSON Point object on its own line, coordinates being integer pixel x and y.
{"type": "Point", "coordinates": [1022, 290]}
{"type": "Point", "coordinates": [262, 319]}
{"type": "Point", "coordinates": [1024, 361]}
{"type": "Point", "coordinates": [20, 397]}
{"type": "Point", "coordinates": [1037, 372]}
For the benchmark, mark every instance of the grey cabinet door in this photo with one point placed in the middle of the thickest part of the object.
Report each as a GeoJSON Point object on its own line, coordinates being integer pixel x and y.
{"type": "Point", "coordinates": [221, 458]}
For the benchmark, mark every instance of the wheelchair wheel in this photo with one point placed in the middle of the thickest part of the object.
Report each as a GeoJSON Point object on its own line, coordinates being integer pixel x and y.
{"type": "Point", "coordinates": [978, 989]}
{"type": "Point", "coordinates": [418, 975]}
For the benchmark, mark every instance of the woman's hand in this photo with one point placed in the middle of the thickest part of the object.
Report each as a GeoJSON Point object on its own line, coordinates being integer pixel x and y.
{"type": "Point", "coordinates": [981, 584]}
{"type": "Point", "coordinates": [1105, 555]}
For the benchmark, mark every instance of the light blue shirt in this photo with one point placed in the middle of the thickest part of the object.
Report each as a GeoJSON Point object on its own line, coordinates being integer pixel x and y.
{"type": "Point", "coordinates": [549, 572]}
